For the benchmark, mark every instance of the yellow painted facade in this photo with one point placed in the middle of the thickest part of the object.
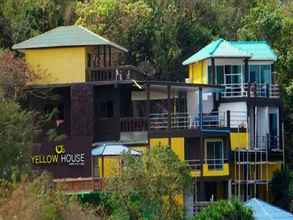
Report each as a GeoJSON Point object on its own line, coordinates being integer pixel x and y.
{"type": "Point", "coordinates": [198, 72]}
{"type": "Point", "coordinates": [58, 65]}
{"type": "Point", "coordinates": [239, 140]}
{"type": "Point", "coordinates": [215, 172]}
{"type": "Point", "coordinates": [177, 145]}
{"type": "Point", "coordinates": [112, 166]}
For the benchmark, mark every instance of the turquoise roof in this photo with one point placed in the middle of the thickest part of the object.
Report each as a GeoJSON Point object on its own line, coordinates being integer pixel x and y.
{"type": "Point", "coordinates": [66, 36]}
{"type": "Point", "coordinates": [259, 50]}
{"type": "Point", "coordinates": [265, 211]}
{"type": "Point", "coordinates": [112, 150]}
{"type": "Point", "coordinates": [254, 50]}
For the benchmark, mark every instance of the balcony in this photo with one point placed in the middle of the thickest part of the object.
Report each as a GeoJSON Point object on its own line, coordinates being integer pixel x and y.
{"type": "Point", "coordinates": [195, 166]}
{"type": "Point", "coordinates": [159, 121]}
{"type": "Point", "coordinates": [215, 167]}
{"type": "Point", "coordinates": [270, 142]}
{"type": "Point", "coordinates": [126, 72]}
{"type": "Point", "coordinates": [183, 120]}
{"type": "Point", "coordinates": [251, 90]}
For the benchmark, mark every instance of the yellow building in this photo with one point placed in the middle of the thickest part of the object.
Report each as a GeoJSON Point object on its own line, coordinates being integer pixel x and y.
{"type": "Point", "coordinates": [225, 121]}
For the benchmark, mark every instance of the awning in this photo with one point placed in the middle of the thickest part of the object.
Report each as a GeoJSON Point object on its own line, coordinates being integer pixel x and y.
{"type": "Point", "coordinates": [112, 150]}
{"type": "Point", "coordinates": [265, 211]}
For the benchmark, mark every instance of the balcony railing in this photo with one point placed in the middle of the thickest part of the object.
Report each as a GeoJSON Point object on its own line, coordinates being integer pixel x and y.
{"type": "Point", "coordinates": [132, 124]}
{"type": "Point", "coordinates": [126, 72]}
{"type": "Point", "coordinates": [183, 120]}
{"type": "Point", "coordinates": [251, 90]}
{"type": "Point", "coordinates": [194, 164]}
{"type": "Point", "coordinates": [216, 164]}
{"type": "Point", "coordinates": [270, 142]}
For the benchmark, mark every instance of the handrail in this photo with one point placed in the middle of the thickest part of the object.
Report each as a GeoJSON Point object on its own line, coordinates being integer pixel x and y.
{"type": "Point", "coordinates": [251, 90]}
{"type": "Point", "coordinates": [194, 164]}
{"type": "Point", "coordinates": [113, 73]}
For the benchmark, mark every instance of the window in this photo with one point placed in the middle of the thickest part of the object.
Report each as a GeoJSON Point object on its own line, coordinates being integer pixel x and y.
{"type": "Point", "coordinates": [215, 154]}
{"type": "Point", "coordinates": [260, 74]}
{"type": "Point", "coordinates": [220, 74]}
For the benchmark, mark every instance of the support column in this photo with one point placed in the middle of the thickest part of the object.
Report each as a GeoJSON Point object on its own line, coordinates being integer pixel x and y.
{"type": "Point", "coordinates": [82, 110]}
{"type": "Point", "coordinates": [246, 76]}
{"type": "Point", "coordinates": [148, 109]}
{"type": "Point", "coordinates": [169, 114]}
{"type": "Point", "coordinates": [213, 71]}
{"type": "Point", "coordinates": [200, 107]}
{"type": "Point", "coordinates": [229, 188]}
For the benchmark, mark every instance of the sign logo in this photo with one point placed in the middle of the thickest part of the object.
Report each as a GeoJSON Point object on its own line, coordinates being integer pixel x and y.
{"type": "Point", "coordinates": [59, 156]}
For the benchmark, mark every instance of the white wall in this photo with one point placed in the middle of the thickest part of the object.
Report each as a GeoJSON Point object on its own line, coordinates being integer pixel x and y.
{"type": "Point", "coordinates": [238, 113]}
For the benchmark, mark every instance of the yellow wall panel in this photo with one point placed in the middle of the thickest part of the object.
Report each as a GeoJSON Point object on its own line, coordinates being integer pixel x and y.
{"type": "Point", "coordinates": [58, 65]}
{"type": "Point", "coordinates": [238, 140]}
{"type": "Point", "coordinates": [111, 166]}
{"type": "Point", "coordinates": [177, 145]}
{"type": "Point", "coordinates": [215, 172]}
{"type": "Point", "coordinates": [159, 142]}
{"type": "Point", "coordinates": [198, 72]}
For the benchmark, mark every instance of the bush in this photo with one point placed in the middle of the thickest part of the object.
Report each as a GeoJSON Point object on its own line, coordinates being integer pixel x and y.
{"type": "Point", "coordinates": [225, 210]}
{"type": "Point", "coordinates": [39, 199]}
{"type": "Point", "coordinates": [149, 187]}
{"type": "Point", "coordinates": [16, 138]}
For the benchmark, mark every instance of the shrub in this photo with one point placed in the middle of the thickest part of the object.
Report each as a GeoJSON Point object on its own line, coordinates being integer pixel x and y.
{"type": "Point", "coordinates": [225, 210]}
{"type": "Point", "coordinates": [39, 199]}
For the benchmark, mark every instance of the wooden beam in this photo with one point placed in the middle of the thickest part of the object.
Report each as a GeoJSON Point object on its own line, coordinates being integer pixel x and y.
{"type": "Point", "coordinates": [213, 71]}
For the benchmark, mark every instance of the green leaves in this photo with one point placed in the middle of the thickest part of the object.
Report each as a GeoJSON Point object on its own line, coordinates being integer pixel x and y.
{"type": "Point", "coordinates": [16, 137]}
{"type": "Point", "coordinates": [282, 188]}
{"type": "Point", "coordinates": [149, 186]}
{"type": "Point", "coordinates": [225, 210]}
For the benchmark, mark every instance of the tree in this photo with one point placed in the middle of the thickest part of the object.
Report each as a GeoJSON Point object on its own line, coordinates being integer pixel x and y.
{"type": "Point", "coordinates": [16, 138]}
{"type": "Point", "coordinates": [37, 197]}
{"type": "Point", "coordinates": [14, 75]}
{"type": "Point", "coordinates": [149, 186]}
{"type": "Point", "coordinates": [28, 18]}
{"type": "Point", "coordinates": [271, 21]}
{"type": "Point", "coordinates": [228, 210]}
{"type": "Point", "coordinates": [282, 188]}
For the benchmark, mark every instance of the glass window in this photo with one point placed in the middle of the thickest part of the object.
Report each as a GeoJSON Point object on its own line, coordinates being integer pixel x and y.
{"type": "Point", "coordinates": [209, 75]}
{"type": "Point", "coordinates": [220, 74]}
{"type": "Point", "coordinates": [253, 73]}
{"type": "Point", "coordinates": [215, 154]}
{"type": "Point", "coordinates": [266, 75]}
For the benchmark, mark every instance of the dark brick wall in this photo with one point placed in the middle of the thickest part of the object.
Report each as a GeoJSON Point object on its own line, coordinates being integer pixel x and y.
{"type": "Point", "coordinates": [82, 110]}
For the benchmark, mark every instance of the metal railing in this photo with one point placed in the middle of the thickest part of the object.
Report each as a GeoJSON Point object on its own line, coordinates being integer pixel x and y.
{"type": "Point", "coordinates": [251, 90]}
{"type": "Point", "coordinates": [131, 124]}
{"type": "Point", "coordinates": [238, 119]}
{"type": "Point", "coordinates": [216, 164]}
{"type": "Point", "coordinates": [271, 142]}
{"type": "Point", "coordinates": [183, 120]}
{"type": "Point", "coordinates": [126, 72]}
{"type": "Point", "coordinates": [194, 164]}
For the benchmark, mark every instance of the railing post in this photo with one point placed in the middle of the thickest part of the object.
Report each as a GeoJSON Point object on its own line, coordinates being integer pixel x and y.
{"type": "Point", "coordinates": [213, 71]}
{"type": "Point", "coordinates": [268, 90]}
{"type": "Point", "coordinates": [169, 107]}
{"type": "Point", "coordinates": [228, 119]}
{"type": "Point", "coordinates": [200, 107]}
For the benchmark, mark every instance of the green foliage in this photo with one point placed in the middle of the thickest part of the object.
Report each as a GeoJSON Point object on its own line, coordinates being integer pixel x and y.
{"type": "Point", "coordinates": [282, 188]}
{"type": "Point", "coordinates": [149, 185]}
{"type": "Point", "coordinates": [38, 198]}
{"type": "Point", "coordinates": [28, 18]}
{"type": "Point", "coordinates": [225, 210]}
{"type": "Point", "coordinates": [16, 137]}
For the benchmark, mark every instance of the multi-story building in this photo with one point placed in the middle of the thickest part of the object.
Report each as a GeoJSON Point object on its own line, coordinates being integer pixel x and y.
{"type": "Point", "coordinates": [225, 121]}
